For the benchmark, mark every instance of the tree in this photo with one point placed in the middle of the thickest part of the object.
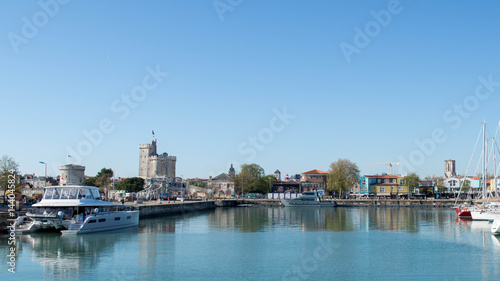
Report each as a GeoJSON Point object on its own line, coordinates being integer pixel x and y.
{"type": "Point", "coordinates": [342, 176]}
{"type": "Point", "coordinates": [411, 181]}
{"type": "Point", "coordinates": [250, 179]}
{"type": "Point", "coordinates": [266, 183]}
{"type": "Point", "coordinates": [103, 178]}
{"type": "Point", "coordinates": [465, 186]}
{"type": "Point", "coordinates": [131, 184]}
{"type": "Point", "coordinates": [8, 166]}
{"type": "Point", "coordinates": [89, 182]}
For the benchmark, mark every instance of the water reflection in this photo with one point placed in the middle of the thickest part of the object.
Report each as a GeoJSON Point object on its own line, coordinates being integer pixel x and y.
{"type": "Point", "coordinates": [164, 247]}
{"type": "Point", "coordinates": [65, 257]}
{"type": "Point", "coordinates": [327, 219]}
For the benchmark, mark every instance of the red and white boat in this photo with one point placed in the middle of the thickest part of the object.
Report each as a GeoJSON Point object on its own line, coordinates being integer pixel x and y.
{"type": "Point", "coordinates": [463, 212]}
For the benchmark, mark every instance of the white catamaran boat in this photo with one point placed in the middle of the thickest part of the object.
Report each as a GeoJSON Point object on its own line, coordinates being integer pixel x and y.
{"type": "Point", "coordinates": [308, 198]}
{"type": "Point", "coordinates": [74, 210]}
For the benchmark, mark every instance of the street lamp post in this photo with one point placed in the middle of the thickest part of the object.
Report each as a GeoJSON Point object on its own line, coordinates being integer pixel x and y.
{"type": "Point", "coordinates": [41, 162]}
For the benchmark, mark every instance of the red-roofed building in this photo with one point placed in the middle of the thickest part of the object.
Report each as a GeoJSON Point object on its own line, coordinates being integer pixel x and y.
{"type": "Point", "coordinates": [313, 180]}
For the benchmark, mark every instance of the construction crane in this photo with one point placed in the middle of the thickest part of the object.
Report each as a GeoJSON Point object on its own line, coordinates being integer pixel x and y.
{"type": "Point", "coordinates": [388, 163]}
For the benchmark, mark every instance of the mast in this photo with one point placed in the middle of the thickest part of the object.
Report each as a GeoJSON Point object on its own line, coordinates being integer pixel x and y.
{"type": "Point", "coordinates": [484, 160]}
{"type": "Point", "coordinates": [494, 169]}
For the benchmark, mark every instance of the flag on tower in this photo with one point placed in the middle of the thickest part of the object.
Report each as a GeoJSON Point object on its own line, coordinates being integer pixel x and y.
{"type": "Point", "coordinates": [153, 133]}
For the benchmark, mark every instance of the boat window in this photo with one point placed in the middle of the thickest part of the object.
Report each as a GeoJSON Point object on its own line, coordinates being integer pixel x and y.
{"type": "Point", "coordinates": [72, 193]}
{"type": "Point", "coordinates": [56, 194]}
{"type": "Point", "coordinates": [117, 218]}
{"type": "Point", "coordinates": [64, 193]}
{"type": "Point", "coordinates": [91, 221]}
{"type": "Point", "coordinates": [102, 220]}
{"type": "Point", "coordinates": [129, 217]}
{"type": "Point", "coordinates": [95, 193]}
{"type": "Point", "coordinates": [48, 193]}
{"type": "Point", "coordinates": [85, 194]}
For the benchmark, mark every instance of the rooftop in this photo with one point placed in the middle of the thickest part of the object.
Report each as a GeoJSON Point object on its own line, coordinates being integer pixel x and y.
{"type": "Point", "coordinates": [315, 171]}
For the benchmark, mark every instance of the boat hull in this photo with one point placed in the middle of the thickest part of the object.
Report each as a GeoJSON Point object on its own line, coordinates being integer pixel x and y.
{"type": "Point", "coordinates": [495, 227]}
{"type": "Point", "coordinates": [463, 213]}
{"type": "Point", "coordinates": [299, 203]}
{"type": "Point", "coordinates": [104, 222]}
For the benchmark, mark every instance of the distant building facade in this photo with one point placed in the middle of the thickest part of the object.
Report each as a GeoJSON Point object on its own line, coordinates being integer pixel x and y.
{"type": "Point", "coordinates": [223, 184]}
{"type": "Point", "coordinates": [382, 185]}
{"type": "Point", "coordinates": [153, 165]}
{"type": "Point", "coordinates": [313, 180]}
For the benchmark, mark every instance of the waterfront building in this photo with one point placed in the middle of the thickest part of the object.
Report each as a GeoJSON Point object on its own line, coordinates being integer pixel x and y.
{"type": "Point", "coordinates": [452, 185]}
{"type": "Point", "coordinates": [493, 183]}
{"type": "Point", "coordinates": [286, 186]}
{"type": "Point", "coordinates": [153, 165]}
{"type": "Point", "coordinates": [364, 184]}
{"type": "Point", "coordinates": [223, 184]}
{"type": "Point", "coordinates": [388, 185]}
{"type": "Point", "coordinates": [313, 180]}
{"type": "Point", "coordinates": [355, 188]}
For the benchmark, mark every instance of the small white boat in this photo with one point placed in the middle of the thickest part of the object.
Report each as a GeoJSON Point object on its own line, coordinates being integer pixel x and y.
{"type": "Point", "coordinates": [308, 198]}
{"type": "Point", "coordinates": [75, 209]}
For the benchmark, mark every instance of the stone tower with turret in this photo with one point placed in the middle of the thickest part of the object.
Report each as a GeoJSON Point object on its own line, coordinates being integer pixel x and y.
{"type": "Point", "coordinates": [153, 165]}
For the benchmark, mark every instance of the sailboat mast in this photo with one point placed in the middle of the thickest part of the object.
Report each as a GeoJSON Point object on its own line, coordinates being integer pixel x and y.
{"type": "Point", "coordinates": [484, 160]}
{"type": "Point", "coordinates": [494, 169]}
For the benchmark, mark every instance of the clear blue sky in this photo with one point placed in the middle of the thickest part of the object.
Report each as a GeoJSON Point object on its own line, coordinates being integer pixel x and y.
{"type": "Point", "coordinates": [65, 69]}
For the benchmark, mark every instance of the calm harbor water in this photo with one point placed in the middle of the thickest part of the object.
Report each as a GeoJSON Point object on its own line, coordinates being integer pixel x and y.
{"type": "Point", "coordinates": [269, 243]}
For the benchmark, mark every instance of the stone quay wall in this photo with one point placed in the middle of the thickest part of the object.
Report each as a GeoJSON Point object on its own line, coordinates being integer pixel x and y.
{"type": "Point", "coordinates": [165, 208]}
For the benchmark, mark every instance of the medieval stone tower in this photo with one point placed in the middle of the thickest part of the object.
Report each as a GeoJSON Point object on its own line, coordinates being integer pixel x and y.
{"type": "Point", "coordinates": [153, 165]}
{"type": "Point", "coordinates": [72, 174]}
{"type": "Point", "coordinates": [449, 168]}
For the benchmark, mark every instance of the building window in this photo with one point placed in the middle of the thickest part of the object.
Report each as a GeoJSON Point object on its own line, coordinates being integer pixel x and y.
{"type": "Point", "coordinates": [400, 188]}
{"type": "Point", "coordinates": [382, 189]}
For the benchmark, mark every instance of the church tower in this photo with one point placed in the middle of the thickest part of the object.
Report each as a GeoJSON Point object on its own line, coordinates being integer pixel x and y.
{"type": "Point", "coordinates": [449, 169]}
{"type": "Point", "coordinates": [277, 175]}
{"type": "Point", "coordinates": [231, 171]}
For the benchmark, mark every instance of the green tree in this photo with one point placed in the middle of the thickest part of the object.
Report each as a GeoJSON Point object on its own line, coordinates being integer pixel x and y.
{"type": "Point", "coordinates": [342, 176]}
{"type": "Point", "coordinates": [266, 183]}
{"type": "Point", "coordinates": [89, 182]}
{"type": "Point", "coordinates": [250, 179]}
{"type": "Point", "coordinates": [411, 181]}
{"type": "Point", "coordinates": [103, 178]}
{"type": "Point", "coordinates": [465, 186]}
{"type": "Point", "coordinates": [135, 184]}
{"type": "Point", "coordinates": [8, 166]}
